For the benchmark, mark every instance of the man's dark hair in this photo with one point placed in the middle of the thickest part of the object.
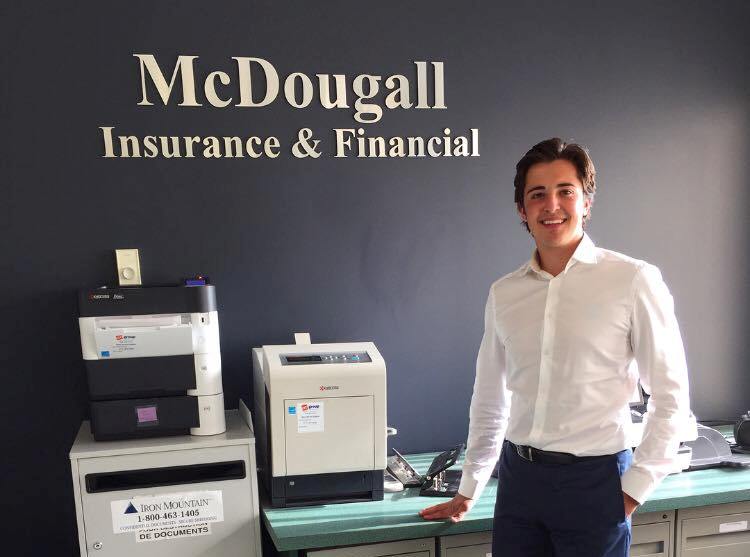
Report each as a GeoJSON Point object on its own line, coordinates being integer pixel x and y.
{"type": "Point", "coordinates": [550, 150]}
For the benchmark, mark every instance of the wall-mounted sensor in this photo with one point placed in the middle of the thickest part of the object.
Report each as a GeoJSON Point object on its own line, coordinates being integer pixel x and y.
{"type": "Point", "coordinates": [128, 267]}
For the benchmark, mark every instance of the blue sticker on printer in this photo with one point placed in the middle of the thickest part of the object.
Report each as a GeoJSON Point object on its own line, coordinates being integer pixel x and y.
{"type": "Point", "coordinates": [292, 409]}
{"type": "Point", "coordinates": [105, 353]}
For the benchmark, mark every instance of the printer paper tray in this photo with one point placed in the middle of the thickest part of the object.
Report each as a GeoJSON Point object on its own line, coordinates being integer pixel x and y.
{"type": "Point", "coordinates": [124, 343]}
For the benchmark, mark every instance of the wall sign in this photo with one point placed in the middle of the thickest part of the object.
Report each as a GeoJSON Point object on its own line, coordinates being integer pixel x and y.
{"type": "Point", "coordinates": [254, 83]}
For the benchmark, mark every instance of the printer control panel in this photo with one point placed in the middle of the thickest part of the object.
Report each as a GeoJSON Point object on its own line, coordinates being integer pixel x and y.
{"type": "Point", "coordinates": [327, 358]}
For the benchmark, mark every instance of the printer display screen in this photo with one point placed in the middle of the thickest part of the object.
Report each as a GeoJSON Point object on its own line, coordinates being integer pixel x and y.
{"type": "Point", "coordinates": [327, 358]}
{"type": "Point", "coordinates": [295, 359]}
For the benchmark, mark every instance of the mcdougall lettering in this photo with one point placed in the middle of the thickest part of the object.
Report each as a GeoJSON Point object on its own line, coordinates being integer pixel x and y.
{"type": "Point", "coordinates": [299, 89]}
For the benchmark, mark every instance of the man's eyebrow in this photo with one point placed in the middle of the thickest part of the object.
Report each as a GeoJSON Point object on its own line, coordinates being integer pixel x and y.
{"type": "Point", "coordinates": [560, 185]}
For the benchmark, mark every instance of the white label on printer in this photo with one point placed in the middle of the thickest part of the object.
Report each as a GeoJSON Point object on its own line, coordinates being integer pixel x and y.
{"type": "Point", "coordinates": [310, 417]}
{"type": "Point", "coordinates": [188, 508]}
{"type": "Point", "coordinates": [733, 526]}
{"type": "Point", "coordinates": [172, 532]}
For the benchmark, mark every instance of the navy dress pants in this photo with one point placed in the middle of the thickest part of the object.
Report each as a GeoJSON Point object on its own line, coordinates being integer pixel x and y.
{"type": "Point", "coordinates": [561, 510]}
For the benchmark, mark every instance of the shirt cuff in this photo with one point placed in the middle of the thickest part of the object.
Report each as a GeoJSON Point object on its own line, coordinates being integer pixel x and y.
{"type": "Point", "coordinates": [638, 484]}
{"type": "Point", "coordinates": [474, 479]}
{"type": "Point", "coordinates": [470, 487]}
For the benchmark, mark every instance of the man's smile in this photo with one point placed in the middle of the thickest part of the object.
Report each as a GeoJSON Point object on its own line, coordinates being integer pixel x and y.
{"type": "Point", "coordinates": [552, 223]}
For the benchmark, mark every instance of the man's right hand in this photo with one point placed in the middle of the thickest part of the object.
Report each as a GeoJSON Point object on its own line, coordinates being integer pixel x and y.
{"type": "Point", "coordinates": [455, 509]}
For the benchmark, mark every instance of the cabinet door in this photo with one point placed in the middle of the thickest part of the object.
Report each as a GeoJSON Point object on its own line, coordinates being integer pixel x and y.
{"type": "Point", "coordinates": [651, 540]}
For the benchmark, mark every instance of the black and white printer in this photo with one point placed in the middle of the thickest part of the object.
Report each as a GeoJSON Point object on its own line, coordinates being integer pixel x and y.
{"type": "Point", "coordinates": [153, 361]}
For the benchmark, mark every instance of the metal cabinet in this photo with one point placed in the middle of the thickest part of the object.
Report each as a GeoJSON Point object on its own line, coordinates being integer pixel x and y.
{"type": "Point", "coordinates": [653, 535]}
{"type": "Point", "coordinates": [183, 496]}
{"type": "Point", "coordinates": [714, 531]}
{"type": "Point", "coordinates": [466, 545]}
{"type": "Point", "coordinates": [406, 548]}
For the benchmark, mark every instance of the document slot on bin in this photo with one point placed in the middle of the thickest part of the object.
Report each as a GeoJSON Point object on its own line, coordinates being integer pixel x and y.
{"type": "Point", "coordinates": [170, 475]}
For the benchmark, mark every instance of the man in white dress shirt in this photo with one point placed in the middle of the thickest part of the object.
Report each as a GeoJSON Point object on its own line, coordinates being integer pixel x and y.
{"type": "Point", "coordinates": [554, 378]}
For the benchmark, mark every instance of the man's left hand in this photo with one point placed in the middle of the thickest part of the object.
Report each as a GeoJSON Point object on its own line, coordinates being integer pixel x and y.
{"type": "Point", "coordinates": [630, 504]}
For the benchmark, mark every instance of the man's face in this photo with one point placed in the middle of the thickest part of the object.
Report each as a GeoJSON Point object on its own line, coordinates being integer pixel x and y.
{"type": "Point", "coordinates": [554, 204]}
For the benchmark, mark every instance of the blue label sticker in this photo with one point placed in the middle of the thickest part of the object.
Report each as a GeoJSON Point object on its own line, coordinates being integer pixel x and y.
{"type": "Point", "coordinates": [105, 353]}
{"type": "Point", "coordinates": [292, 409]}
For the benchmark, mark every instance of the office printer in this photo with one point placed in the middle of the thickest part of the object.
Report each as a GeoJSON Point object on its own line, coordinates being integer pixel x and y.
{"type": "Point", "coordinates": [320, 417]}
{"type": "Point", "coordinates": [153, 361]}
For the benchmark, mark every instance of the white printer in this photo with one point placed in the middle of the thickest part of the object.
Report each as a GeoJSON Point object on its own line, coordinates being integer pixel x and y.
{"type": "Point", "coordinates": [153, 361]}
{"type": "Point", "coordinates": [320, 415]}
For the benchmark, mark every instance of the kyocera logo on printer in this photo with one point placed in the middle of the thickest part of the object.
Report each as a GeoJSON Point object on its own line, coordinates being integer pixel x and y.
{"type": "Point", "coordinates": [329, 387]}
{"type": "Point", "coordinates": [93, 296]}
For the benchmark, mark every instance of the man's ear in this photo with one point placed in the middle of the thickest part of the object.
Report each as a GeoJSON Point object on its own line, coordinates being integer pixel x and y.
{"type": "Point", "coordinates": [521, 212]}
{"type": "Point", "coordinates": [586, 206]}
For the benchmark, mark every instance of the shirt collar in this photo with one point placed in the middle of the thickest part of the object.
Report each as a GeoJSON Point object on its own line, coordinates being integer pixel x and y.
{"type": "Point", "coordinates": [585, 253]}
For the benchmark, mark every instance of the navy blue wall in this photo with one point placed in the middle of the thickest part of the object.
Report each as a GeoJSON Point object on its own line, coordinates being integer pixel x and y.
{"type": "Point", "coordinates": [397, 251]}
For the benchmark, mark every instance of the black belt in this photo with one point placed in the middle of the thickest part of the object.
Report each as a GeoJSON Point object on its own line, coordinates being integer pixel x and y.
{"type": "Point", "coordinates": [548, 457]}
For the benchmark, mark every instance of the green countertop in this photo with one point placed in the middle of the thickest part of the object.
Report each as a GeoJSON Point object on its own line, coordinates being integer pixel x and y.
{"type": "Point", "coordinates": [396, 517]}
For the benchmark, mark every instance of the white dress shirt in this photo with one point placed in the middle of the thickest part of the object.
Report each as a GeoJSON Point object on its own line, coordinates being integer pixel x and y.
{"type": "Point", "coordinates": [554, 367]}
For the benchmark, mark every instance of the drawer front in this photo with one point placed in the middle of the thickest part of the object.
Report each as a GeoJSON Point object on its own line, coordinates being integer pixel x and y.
{"type": "Point", "coordinates": [478, 544]}
{"type": "Point", "coordinates": [479, 550]}
{"type": "Point", "coordinates": [407, 548]}
{"type": "Point", "coordinates": [355, 551]}
{"type": "Point", "coordinates": [716, 536]}
{"type": "Point", "coordinates": [650, 540]}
